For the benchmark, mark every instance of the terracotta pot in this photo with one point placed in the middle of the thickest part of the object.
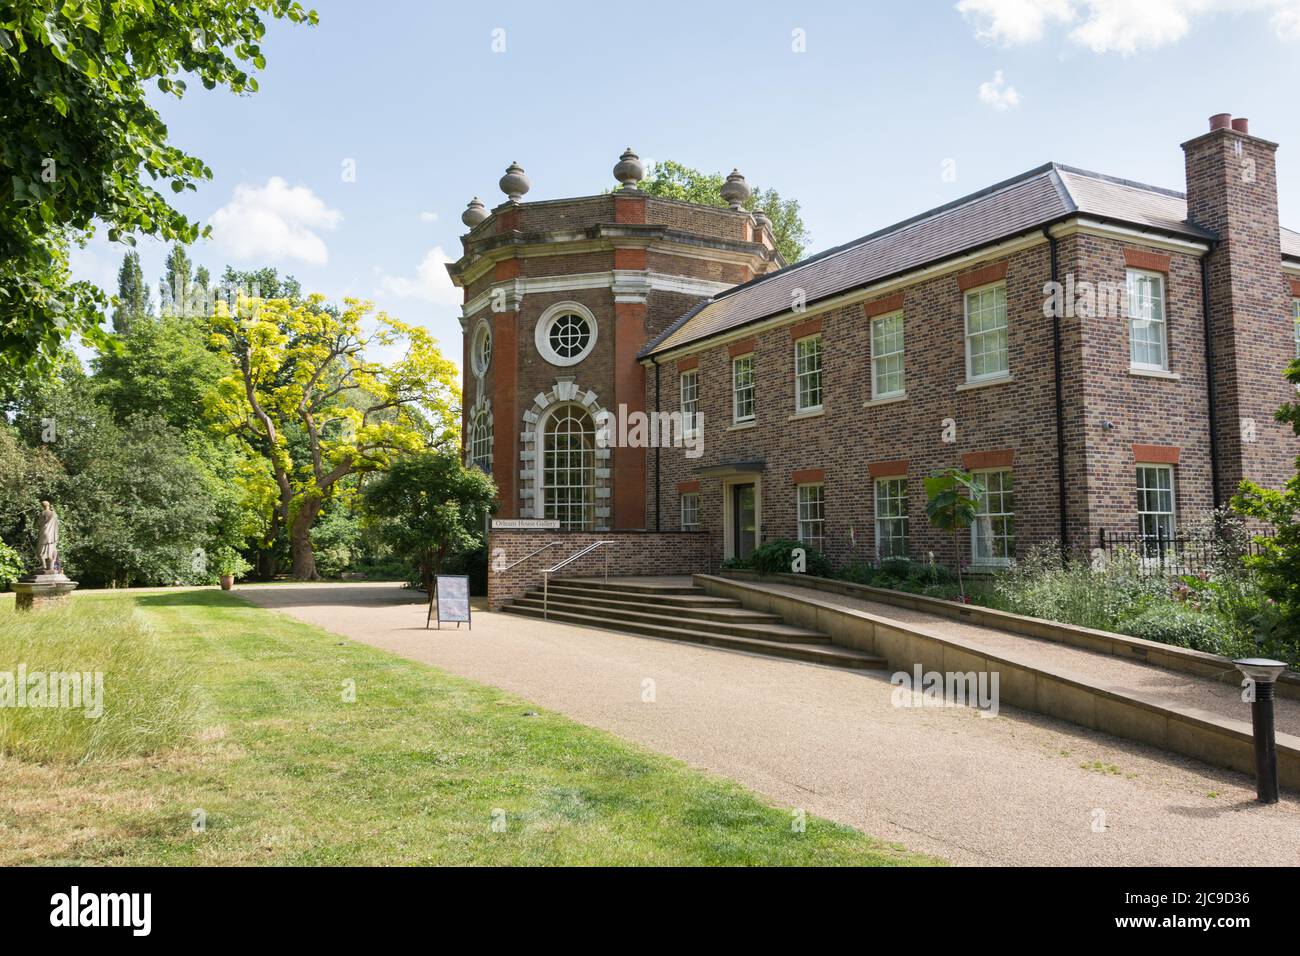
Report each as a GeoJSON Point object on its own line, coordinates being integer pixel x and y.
{"type": "Point", "coordinates": [227, 582]}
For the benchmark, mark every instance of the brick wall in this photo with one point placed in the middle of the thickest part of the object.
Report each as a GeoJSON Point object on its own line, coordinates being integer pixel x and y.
{"type": "Point", "coordinates": [1232, 192]}
{"type": "Point", "coordinates": [633, 553]}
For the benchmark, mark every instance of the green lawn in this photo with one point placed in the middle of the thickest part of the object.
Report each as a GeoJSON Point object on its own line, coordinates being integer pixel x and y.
{"type": "Point", "coordinates": [423, 768]}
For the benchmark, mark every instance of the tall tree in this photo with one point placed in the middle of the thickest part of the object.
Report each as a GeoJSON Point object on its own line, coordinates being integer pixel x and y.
{"type": "Point", "coordinates": [177, 282]}
{"type": "Point", "coordinates": [80, 142]}
{"type": "Point", "coordinates": [429, 507]}
{"type": "Point", "coordinates": [132, 293]}
{"type": "Point", "coordinates": [672, 180]}
{"type": "Point", "coordinates": [304, 373]}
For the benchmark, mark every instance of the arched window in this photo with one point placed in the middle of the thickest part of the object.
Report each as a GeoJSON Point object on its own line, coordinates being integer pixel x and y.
{"type": "Point", "coordinates": [480, 442]}
{"type": "Point", "coordinates": [569, 468]}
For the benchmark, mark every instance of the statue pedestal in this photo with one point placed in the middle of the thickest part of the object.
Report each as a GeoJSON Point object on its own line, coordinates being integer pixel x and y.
{"type": "Point", "coordinates": [37, 591]}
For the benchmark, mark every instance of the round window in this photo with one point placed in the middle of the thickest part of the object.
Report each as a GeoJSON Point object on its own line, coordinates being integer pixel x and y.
{"type": "Point", "coordinates": [566, 334]}
{"type": "Point", "coordinates": [569, 335]}
{"type": "Point", "coordinates": [481, 349]}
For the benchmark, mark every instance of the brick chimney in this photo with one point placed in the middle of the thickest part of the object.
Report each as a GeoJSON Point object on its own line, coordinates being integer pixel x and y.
{"type": "Point", "coordinates": [1232, 193]}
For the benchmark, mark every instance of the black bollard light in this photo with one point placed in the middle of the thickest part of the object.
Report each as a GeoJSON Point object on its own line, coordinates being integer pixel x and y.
{"type": "Point", "coordinates": [1264, 674]}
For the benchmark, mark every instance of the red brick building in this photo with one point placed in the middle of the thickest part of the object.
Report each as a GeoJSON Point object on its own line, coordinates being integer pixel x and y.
{"type": "Point", "coordinates": [1104, 354]}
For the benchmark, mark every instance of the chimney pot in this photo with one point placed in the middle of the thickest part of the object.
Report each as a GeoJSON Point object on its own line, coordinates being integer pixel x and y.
{"type": "Point", "coordinates": [1241, 125]}
{"type": "Point", "coordinates": [1220, 121]}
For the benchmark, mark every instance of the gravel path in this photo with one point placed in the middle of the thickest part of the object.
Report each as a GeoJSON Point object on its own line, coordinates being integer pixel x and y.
{"type": "Point", "coordinates": [1146, 680]}
{"type": "Point", "coordinates": [1015, 789]}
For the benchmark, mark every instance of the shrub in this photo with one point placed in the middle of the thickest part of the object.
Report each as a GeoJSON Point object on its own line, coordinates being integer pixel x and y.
{"type": "Point", "coordinates": [1182, 626]}
{"type": "Point", "coordinates": [148, 700]}
{"type": "Point", "coordinates": [902, 574]}
{"type": "Point", "coordinates": [776, 557]}
{"type": "Point", "coordinates": [11, 566]}
{"type": "Point", "coordinates": [1078, 593]}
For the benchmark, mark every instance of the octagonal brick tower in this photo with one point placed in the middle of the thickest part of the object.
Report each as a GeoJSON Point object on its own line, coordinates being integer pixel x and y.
{"type": "Point", "coordinates": [560, 297]}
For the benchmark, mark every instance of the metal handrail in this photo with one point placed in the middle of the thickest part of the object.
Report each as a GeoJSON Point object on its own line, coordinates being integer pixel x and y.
{"type": "Point", "coordinates": [547, 572]}
{"type": "Point", "coordinates": [530, 555]}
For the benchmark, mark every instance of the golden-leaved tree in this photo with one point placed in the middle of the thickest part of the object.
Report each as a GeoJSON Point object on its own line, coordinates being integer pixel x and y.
{"type": "Point", "coordinates": [323, 393]}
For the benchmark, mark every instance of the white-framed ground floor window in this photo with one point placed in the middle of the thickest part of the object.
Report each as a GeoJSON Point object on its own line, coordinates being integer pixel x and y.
{"type": "Point", "coordinates": [569, 468]}
{"type": "Point", "coordinates": [993, 533]}
{"type": "Point", "coordinates": [690, 511]}
{"type": "Point", "coordinates": [891, 517]}
{"type": "Point", "coordinates": [812, 515]}
{"type": "Point", "coordinates": [1155, 506]}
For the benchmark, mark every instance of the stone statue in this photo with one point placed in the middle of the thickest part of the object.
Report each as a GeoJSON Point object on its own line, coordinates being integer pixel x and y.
{"type": "Point", "coordinates": [49, 586]}
{"type": "Point", "coordinates": [47, 543]}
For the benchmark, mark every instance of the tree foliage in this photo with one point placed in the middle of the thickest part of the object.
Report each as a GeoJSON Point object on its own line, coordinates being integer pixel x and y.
{"type": "Point", "coordinates": [134, 505]}
{"type": "Point", "coordinates": [303, 376]}
{"type": "Point", "coordinates": [951, 504]}
{"type": "Point", "coordinates": [132, 293]}
{"type": "Point", "coordinates": [430, 507]}
{"type": "Point", "coordinates": [672, 180]}
{"type": "Point", "coordinates": [80, 141]}
{"type": "Point", "coordinates": [1277, 562]}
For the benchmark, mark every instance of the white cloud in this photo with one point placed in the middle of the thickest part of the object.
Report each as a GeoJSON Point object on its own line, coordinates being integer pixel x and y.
{"type": "Point", "coordinates": [429, 284]}
{"type": "Point", "coordinates": [428, 216]}
{"type": "Point", "coordinates": [1115, 26]}
{"type": "Point", "coordinates": [998, 94]}
{"type": "Point", "coordinates": [274, 222]}
{"type": "Point", "coordinates": [1014, 21]}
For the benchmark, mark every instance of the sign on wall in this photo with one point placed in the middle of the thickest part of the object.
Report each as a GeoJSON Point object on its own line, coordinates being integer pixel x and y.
{"type": "Point", "coordinates": [450, 600]}
{"type": "Point", "coordinates": [519, 524]}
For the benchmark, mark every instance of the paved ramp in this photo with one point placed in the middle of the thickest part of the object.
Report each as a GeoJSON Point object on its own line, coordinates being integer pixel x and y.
{"type": "Point", "coordinates": [1015, 789]}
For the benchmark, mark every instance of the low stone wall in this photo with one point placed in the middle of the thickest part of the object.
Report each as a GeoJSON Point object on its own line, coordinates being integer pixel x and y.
{"type": "Point", "coordinates": [1029, 686]}
{"type": "Point", "coordinates": [1184, 659]}
{"type": "Point", "coordinates": [632, 553]}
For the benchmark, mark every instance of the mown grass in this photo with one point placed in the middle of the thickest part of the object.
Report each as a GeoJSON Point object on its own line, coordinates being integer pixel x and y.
{"type": "Point", "coordinates": [422, 768]}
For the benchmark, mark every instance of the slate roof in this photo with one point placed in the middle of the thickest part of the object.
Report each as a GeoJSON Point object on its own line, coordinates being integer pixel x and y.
{"type": "Point", "coordinates": [1037, 198]}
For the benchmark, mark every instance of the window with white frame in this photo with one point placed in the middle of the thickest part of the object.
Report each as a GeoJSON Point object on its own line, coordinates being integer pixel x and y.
{"type": "Point", "coordinates": [993, 533]}
{"type": "Point", "coordinates": [812, 515]}
{"type": "Point", "coordinates": [569, 469]}
{"type": "Point", "coordinates": [1295, 311]}
{"type": "Point", "coordinates": [986, 333]}
{"type": "Point", "coordinates": [480, 442]}
{"type": "Point", "coordinates": [742, 388]}
{"type": "Point", "coordinates": [690, 511]}
{"type": "Point", "coordinates": [887, 356]}
{"type": "Point", "coordinates": [689, 389]}
{"type": "Point", "coordinates": [1155, 494]}
{"type": "Point", "coordinates": [481, 350]}
{"type": "Point", "coordinates": [1146, 321]}
{"type": "Point", "coordinates": [891, 517]}
{"type": "Point", "coordinates": [808, 374]}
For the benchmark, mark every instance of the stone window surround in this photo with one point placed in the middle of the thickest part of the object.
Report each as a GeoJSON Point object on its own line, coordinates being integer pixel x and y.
{"type": "Point", "coordinates": [565, 391]}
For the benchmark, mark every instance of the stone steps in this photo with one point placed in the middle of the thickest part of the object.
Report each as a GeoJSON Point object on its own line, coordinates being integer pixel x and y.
{"type": "Point", "coordinates": [683, 612]}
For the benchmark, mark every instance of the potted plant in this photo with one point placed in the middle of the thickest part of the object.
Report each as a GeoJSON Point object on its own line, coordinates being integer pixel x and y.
{"type": "Point", "coordinates": [230, 565]}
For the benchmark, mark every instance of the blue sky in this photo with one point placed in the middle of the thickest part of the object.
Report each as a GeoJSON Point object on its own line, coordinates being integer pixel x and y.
{"type": "Point", "coordinates": [859, 126]}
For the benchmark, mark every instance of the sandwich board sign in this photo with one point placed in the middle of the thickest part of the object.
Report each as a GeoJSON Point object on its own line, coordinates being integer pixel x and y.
{"type": "Point", "coordinates": [451, 598]}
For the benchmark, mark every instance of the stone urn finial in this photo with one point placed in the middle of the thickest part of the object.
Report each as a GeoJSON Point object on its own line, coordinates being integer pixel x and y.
{"type": "Point", "coordinates": [514, 183]}
{"type": "Point", "coordinates": [735, 190]}
{"type": "Point", "coordinates": [761, 221]}
{"type": "Point", "coordinates": [629, 170]}
{"type": "Point", "coordinates": [474, 213]}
